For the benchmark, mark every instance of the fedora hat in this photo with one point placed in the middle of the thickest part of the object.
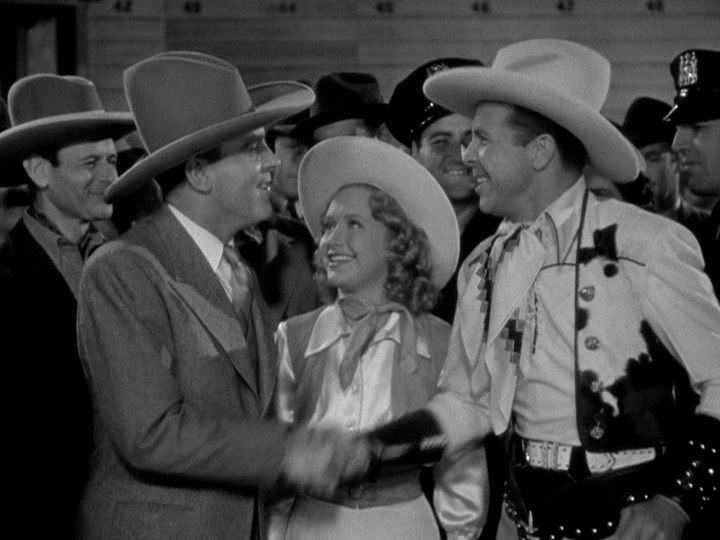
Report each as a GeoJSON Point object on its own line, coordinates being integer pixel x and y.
{"type": "Point", "coordinates": [341, 161]}
{"type": "Point", "coordinates": [564, 81]}
{"type": "Point", "coordinates": [644, 125]}
{"type": "Point", "coordinates": [186, 103]}
{"type": "Point", "coordinates": [409, 110]}
{"type": "Point", "coordinates": [341, 96]}
{"type": "Point", "coordinates": [46, 110]}
{"type": "Point", "coordinates": [696, 75]}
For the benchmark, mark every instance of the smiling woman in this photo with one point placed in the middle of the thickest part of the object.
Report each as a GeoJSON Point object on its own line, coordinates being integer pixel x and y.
{"type": "Point", "coordinates": [388, 240]}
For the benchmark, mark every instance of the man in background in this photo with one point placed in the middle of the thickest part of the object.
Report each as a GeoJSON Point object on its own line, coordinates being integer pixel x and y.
{"type": "Point", "coordinates": [644, 127]}
{"type": "Point", "coordinates": [696, 117]}
{"type": "Point", "coordinates": [62, 141]}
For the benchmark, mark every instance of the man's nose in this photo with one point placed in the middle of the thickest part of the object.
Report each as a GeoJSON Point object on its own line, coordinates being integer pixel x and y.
{"type": "Point", "coordinates": [469, 153]}
{"type": "Point", "coordinates": [681, 141]}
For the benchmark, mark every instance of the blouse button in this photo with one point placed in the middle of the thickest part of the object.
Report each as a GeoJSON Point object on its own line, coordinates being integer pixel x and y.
{"type": "Point", "coordinates": [587, 293]}
{"type": "Point", "coordinates": [592, 343]}
{"type": "Point", "coordinates": [354, 388]}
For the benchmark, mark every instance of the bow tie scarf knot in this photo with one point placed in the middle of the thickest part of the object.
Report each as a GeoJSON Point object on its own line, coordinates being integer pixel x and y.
{"type": "Point", "coordinates": [366, 319]}
{"type": "Point", "coordinates": [235, 275]}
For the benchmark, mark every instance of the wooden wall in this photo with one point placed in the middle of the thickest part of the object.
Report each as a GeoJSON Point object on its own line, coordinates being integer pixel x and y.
{"type": "Point", "coordinates": [302, 39]}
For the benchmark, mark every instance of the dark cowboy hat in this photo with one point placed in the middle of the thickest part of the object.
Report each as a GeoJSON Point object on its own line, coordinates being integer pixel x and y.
{"type": "Point", "coordinates": [409, 110]}
{"type": "Point", "coordinates": [341, 96]}
{"type": "Point", "coordinates": [644, 124]}
{"type": "Point", "coordinates": [186, 103]}
{"type": "Point", "coordinates": [696, 74]}
{"type": "Point", "coordinates": [46, 110]}
{"type": "Point", "coordinates": [286, 127]}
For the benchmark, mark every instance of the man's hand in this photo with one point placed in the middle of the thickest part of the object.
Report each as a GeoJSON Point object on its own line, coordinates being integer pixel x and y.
{"type": "Point", "coordinates": [655, 519]}
{"type": "Point", "coordinates": [317, 461]}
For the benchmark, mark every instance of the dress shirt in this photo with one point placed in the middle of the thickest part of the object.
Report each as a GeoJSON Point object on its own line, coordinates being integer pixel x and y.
{"type": "Point", "coordinates": [210, 246]}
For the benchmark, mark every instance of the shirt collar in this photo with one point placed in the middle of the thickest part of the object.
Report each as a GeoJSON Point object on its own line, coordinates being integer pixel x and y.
{"type": "Point", "coordinates": [559, 221]}
{"type": "Point", "coordinates": [331, 327]}
{"type": "Point", "coordinates": [210, 245]}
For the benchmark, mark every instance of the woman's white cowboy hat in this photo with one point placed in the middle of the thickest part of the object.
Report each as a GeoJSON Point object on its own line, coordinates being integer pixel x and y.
{"type": "Point", "coordinates": [561, 80]}
{"type": "Point", "coordinates": [186, 103]}
{"type": "Point", "coordinates": [47, 111]}
{"type": "Point", "coordinates": [342, 161]}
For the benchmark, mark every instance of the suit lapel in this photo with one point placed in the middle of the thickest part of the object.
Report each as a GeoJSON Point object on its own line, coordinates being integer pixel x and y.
{"type": "Point", "coordinates": [199, 287]}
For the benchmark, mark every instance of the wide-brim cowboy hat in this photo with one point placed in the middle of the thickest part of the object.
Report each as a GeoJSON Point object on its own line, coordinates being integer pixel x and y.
{"type": "Point", "coordinates": [186, 103]}
{"type": "Point", "coordinates": [47, 110]}
{"type": "Point", "coordinates": [564, 81]}
{"type": "Point", "coordinates": [343, 161]}
{"type": "Point", "coordinates": [342, 96]}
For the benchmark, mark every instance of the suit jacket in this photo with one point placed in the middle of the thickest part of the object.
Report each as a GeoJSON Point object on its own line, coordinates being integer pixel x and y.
{"type": "Point", "coordinates": [47, 402]}
{"type": "Point", "coordinates": [284, 265]}
{"type": "Point", "coordinates": [178, 394]}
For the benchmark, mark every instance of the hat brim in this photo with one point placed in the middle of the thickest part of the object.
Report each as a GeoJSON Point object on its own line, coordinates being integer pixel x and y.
{"type": "Point", "coordinates": [373, 112]}
{"type": "Point", "coordinates": [691, 112]}
{"type": "Point", "coordinates": [17, 143]}
{"type": "Point", "coordinates": [280, 105]}
{"type": "Point", "coordinates": [462, 89]}
{"type": "Point", "coordinates": [342, 161]}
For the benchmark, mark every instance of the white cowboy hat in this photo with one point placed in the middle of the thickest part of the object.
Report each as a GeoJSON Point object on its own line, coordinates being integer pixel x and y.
{"type": "Point", "coordinates": [186, 103]}
{"type": "Point", "coordinates": [342, 161]}
{"type": "Point", "coordinates": [48, 110]}
{"type": "Point", "coordinates": [561, 80]}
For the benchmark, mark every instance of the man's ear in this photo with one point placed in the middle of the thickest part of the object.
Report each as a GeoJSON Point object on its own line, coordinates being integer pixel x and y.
{"type": "Point", "coordinates": [542, 150]}
{"type": "Point", "coordinates": [198, 175]}
{"type": "Point", "coordinates": [38, 169]}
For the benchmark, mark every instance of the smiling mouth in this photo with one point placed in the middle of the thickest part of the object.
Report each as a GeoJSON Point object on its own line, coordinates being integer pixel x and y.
{"type": "Point", "coordinates": [336, 259]}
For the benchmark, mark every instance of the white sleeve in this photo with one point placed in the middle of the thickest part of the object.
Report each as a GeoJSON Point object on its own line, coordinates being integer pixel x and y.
{"type": "Point", "coordinates": [678, 301]}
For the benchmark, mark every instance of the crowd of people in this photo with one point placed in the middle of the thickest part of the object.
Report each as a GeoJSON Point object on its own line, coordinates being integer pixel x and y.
{"type": "Point", "coordinates": [479, 309]}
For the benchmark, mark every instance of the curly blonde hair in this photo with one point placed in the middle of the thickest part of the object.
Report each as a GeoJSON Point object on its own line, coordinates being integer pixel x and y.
{"type": "Point", "coordinates": [409, 263]}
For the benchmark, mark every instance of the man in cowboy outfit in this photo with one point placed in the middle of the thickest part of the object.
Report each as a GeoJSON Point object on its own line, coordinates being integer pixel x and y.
{"type": "Point", "coordinates": [696, 117]}
{"type": "Point", "coordinates": [61, 144]}
{"type": "Point", "coordinates": [171, 325]}
{"type": "Point", "coordinates": [578, 320]}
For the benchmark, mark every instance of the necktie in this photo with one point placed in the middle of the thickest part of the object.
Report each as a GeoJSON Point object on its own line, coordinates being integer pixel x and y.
{"type": "Point", "coordinates": [368, 320]}
{"type": "Point", "coordinates": [235, 275]}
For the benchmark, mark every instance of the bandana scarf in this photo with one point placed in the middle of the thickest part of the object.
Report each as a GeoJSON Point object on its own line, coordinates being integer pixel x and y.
{"type": "Point", "coordinates": [493, 312]}
{"type": "Point", "coordinates": [367, 319]}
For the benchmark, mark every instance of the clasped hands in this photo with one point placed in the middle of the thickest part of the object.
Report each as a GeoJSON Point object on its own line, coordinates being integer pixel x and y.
{"type": "Point", "coordinates": [317, 461]}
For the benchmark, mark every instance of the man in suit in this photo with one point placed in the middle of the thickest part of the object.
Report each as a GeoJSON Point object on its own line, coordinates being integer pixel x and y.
{"type": "Point", "coordinates": [60, 144]}
{"type": "Point", "coordinates": [171, 327]}
{"type": "Point", "coordinates": [696, 117]}
{"type": "Point", "coordinates": [576, 322]}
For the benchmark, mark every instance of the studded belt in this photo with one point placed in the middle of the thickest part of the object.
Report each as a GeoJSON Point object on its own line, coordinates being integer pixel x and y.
{"type": "Point", "coordinates": [558, 457]}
